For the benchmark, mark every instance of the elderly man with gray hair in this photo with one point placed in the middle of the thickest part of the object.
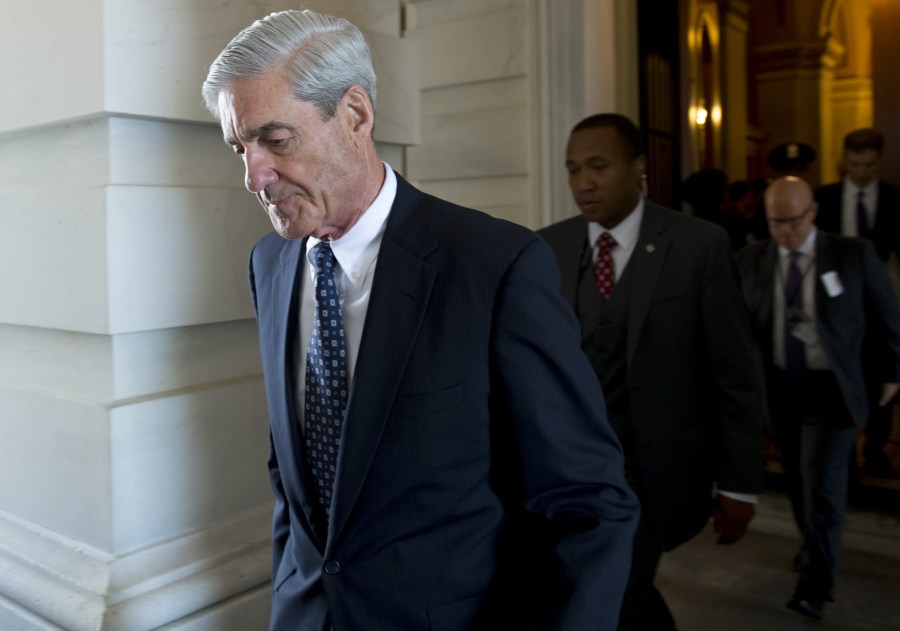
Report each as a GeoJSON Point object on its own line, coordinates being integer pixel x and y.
{"type": "Point", "coordinates": [440, 453]}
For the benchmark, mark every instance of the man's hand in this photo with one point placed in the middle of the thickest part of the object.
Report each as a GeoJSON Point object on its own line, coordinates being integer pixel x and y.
{"type": "Point", "coordinates": [730, 519]}
{"type": "Point", "coordinates": [888, 392]}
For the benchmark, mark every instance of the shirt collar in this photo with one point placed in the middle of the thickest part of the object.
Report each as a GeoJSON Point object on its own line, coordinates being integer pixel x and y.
{"type": "Point", "coordinates": [357, 250]}
{"type": "Point", "coordinates": [808, 247]}
{"type": "Point", "coordinates": [852, 190]}
{"type": "Point", "coordinates": [625, 233]}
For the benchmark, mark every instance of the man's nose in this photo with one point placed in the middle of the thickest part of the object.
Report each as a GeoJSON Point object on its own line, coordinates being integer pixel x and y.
{"type": "Point", "coordinates": [260, 170]}
{"type": "Point", "coordinates": [581, 180]}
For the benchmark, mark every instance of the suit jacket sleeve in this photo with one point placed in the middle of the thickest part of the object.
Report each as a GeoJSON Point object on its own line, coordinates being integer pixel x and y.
{"type": "Point", "coordinates": [882, 318]}
{"type": "Point", "coordinates": [572, 464]}
{"type": "Point", "coordinates": [280, 518]}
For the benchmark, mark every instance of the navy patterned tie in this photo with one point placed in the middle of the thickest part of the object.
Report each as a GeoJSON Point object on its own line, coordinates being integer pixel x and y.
{"type": "Point", "coordinates": [326, 378]}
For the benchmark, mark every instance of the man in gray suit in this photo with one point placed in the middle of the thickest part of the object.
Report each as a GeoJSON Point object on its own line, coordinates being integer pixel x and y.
{"type": "Point", "coordinates": [812, 299]}
{"type": "Point", "coordinates": [665, 330]}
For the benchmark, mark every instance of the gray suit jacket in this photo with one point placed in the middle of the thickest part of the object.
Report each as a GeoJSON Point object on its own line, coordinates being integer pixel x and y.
{"type": "Point", "coordinates": [866, 309]}
{"type": "Point", "coordinates": [694, 376]}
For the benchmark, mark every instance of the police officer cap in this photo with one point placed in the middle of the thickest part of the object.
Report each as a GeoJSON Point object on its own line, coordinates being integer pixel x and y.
{"type": "Point", "coordinates": [791, 156]}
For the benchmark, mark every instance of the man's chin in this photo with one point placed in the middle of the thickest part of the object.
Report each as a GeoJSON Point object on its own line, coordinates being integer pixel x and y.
{"type": "Point", "coordinates": [288, 231]}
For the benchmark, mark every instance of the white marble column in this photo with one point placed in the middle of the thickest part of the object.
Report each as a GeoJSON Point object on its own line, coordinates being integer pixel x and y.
{"type": "Point", "coordinates": [133, 439]}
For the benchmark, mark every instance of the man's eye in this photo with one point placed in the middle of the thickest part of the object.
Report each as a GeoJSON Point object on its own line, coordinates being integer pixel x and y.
{"type": "Point", "coordinates": [238, 150]}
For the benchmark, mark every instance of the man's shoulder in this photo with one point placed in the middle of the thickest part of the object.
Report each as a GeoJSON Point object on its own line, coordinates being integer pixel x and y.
{"type": "Point", "coordinates": [694, 232]}
{"type": "Point", "coordinates": [463, 229]}
{"type": "Point", "coordinates": [271, 242]}
{"type": "Point", "coordinates": [565, 231]}
{"type": "Point", "coordinates": [752, 251]}
{"type": "Point", "coordinates": [829, 190]}
{"type": "Point", "coordinates": [830, 199]}
{"type": "Point", "coordinates": [843, 243]}
{"type": "Point", "coordinates": [889, 191]}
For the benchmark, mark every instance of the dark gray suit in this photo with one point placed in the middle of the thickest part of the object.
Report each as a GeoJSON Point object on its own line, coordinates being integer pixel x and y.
{"type": "Point", "coordinates": [688, 403]}
{"type": "Point", "coordinates": [886, 237]}
{"type": "Point", "coordinates": [479, 484]}
{"type": "Point", "coordinates": [819, 416]}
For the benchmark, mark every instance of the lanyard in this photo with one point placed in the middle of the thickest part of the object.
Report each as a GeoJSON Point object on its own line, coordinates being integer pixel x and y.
{"type": "Point", "coordinates": [783, 282]}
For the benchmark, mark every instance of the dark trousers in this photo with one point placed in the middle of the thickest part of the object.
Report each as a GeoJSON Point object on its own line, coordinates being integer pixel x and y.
{"type": "Point", "coordinates": [816, 437]}
{"type": "Point", "coordinates": [878, 431]}
{"type": "Point", "coordinates": [643, 606]}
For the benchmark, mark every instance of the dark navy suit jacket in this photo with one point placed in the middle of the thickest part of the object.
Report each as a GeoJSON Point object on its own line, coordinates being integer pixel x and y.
{"type": "Point", "coordinates": [479, 484]}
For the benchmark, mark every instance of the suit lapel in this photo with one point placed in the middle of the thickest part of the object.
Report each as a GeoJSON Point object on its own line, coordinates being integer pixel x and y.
{"type": "Point", "coordinates": [399, 299]}
{"type": "Point", "coordinates": [574, 261]}
{"type": "Point", "coordinates": [647, 262]}
{"type": "Point", "coordinates": [286, 291]}
{"type": "Point", "coordinates": [825, 262]}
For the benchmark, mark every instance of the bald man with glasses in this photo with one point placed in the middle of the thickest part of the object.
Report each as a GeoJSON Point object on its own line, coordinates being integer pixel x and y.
{"type": "Point", "coordinates": [812, 297]}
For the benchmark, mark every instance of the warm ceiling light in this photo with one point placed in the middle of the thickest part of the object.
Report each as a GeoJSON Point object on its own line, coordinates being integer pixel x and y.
{"type": "Point", "coordinates": [701, 116]}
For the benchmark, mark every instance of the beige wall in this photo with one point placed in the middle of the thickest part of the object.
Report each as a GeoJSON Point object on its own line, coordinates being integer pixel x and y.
{"type": "Point", "coordinates": [132, 416]}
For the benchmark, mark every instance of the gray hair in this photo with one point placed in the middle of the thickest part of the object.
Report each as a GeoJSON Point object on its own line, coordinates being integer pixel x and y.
{"type": "Point", "coordinates": [321, 56]}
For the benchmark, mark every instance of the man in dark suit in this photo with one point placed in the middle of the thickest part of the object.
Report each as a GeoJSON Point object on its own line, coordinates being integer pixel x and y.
{"type": "Point", "coordinates": [862, 205]}
{"type": "Point", "coordinates": [812, 299]}
{"type": "Point", "coordinates": [440, 454]}
{"type": "Point", "coordinates": [664, 328]}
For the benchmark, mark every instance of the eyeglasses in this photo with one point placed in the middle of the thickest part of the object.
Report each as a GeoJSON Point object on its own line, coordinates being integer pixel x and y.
{"type": "Point", "coordinates": [790, 222]}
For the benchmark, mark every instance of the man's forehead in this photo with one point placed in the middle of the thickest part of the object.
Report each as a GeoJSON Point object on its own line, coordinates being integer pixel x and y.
{"type": "Point", "coordinates": [245, 117]}
{"type": "Point", "coordinates": [600, 142]}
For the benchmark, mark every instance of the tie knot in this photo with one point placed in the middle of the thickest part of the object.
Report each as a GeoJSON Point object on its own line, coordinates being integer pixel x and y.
{"type": "Point", "coordinates": [324, 257]}
{"type": "Point", "coordinates": [606, 242]}
{"type": "Point", "coordinates": [861, 195]}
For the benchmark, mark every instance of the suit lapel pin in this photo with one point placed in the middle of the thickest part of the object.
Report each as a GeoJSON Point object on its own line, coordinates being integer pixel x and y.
{"type": "Point", "coordinates": [650, 248]}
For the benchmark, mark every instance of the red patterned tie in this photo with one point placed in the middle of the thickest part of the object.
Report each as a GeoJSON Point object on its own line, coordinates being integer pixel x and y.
{"type": "Point", "coordinates": [604, 268]}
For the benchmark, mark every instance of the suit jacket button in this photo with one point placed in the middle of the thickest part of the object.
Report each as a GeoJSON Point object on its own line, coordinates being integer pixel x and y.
{"type": "Point", "coordinates": [332, 567]}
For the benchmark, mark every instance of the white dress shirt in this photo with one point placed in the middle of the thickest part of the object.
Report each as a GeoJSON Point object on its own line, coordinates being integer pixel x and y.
{"type": "Point", "coordinates": [849, 226]}
{"type": "Point", "coordinates": [626, 234]}
{"type": "Point", "coordinates": [357, 254]}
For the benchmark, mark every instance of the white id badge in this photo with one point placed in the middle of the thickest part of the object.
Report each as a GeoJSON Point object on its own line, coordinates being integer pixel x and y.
{"type": "Point", "coordinates": [833, 285]}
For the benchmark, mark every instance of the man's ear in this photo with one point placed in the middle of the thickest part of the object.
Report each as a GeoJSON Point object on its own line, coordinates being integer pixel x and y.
{"type": "Point", "coordinates": [640, 165]}
{"type": "Point", "coordinates": [357, 106]}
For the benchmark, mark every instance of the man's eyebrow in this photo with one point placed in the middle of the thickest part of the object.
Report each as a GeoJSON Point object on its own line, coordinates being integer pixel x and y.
{"type": "Point", "coordinates": [262, 130]}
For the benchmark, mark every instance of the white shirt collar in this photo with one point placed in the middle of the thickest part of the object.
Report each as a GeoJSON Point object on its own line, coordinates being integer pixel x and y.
{"type": "Point", "coordinates": [808, 247]}
{"type": "Point", "coordinates": [852, 190]}
{"type": "Point", "coordinates": [626, 233]}
{"type": "Point", "coordinates": [357, 250]}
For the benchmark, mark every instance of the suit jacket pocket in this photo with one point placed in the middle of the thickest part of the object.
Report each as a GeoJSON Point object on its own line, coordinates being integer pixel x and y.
{"type": "Point", "coordinates": [285, 571]}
